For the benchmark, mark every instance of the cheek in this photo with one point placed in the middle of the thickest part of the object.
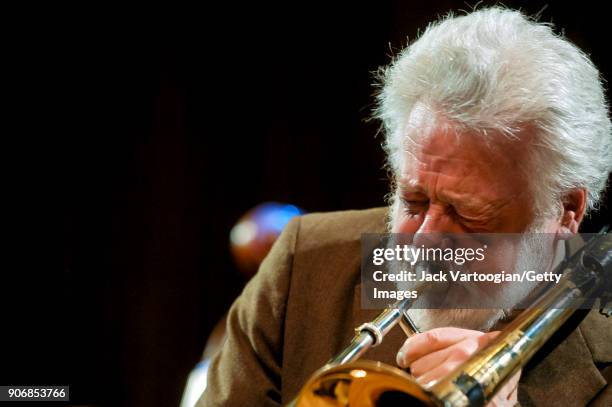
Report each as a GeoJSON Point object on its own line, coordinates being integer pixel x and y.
{"type": "Point", "coordinates": [517, 218]}
{"type": "Point", "coordinates": [547, 225]}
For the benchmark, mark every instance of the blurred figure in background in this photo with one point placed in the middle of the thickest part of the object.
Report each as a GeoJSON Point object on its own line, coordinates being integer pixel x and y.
{"type": "Point", "coordinates": [250, 241]}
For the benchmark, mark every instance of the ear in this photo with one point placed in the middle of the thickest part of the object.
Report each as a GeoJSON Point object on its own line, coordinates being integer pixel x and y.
{"type": "Point", "coordinates": [574, 206]}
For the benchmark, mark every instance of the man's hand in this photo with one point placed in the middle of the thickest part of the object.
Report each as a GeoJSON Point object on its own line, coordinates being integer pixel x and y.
{"type": "Point", "coordinates": [433, 354]}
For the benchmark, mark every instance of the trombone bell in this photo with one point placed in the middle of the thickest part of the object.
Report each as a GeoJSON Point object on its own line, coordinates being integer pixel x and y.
{"type": "Point", "coordinates": [363, 383]}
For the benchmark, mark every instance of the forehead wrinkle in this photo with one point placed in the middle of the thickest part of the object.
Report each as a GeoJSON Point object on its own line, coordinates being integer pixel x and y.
{"type": "Point", "coordinates": [423, 161]}
{"type": "Point", "coordinates": [452, 169]}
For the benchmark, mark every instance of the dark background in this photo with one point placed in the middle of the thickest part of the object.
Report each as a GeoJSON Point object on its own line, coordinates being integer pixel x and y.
{"type": "Point", "coordinates": [147, 133]}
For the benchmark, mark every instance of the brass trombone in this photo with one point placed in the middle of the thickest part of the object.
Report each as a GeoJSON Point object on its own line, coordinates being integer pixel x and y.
{"type": "Point", "coordinates": [346, 381]}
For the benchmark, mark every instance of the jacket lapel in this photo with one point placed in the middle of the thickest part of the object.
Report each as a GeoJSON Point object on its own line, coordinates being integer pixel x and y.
{"type": "Point", "coordinates": [566, 376]}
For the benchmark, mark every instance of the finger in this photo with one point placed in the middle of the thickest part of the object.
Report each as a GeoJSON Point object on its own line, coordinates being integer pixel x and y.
{"type": "Point", "coordinates": [508, 394]}
{"type": "Point", "coordinates": [424, 343]}
{"type": "Point", "coordinates": [452, 362]}
{"type": "Point", "coordinates": [437, 373]}
{"type": "Point", "coordinates": [492, 335]}
{"type": "Point", "coordinates": [513, 386]}
{"type": "Point", "coordinates": [512, 400]}
{"type": "Point", "coordinates": [499, 400]}
{"type": "Point", "coordinates": [458, 352]}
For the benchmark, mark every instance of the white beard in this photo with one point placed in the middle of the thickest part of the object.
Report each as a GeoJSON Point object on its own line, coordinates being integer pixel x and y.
{"type": "Point", "coordinates": [530, 256]}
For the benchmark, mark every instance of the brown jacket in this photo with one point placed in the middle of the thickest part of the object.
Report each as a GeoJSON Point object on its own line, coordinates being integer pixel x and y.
{"type": "Point", "coordinates": [302, 306]}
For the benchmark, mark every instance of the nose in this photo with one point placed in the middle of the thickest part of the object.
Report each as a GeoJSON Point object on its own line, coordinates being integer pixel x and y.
{"type": "Point", "coordinates": [438, 220]}
{"type": "Point", "coordinates": [434, 230]}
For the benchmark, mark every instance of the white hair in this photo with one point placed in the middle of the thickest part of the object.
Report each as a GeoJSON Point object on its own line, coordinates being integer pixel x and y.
{"type": "Point", "coordinates": [495, 72]}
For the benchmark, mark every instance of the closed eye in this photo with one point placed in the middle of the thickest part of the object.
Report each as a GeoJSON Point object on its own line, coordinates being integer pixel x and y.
{"type": "Point", "coordinates": [413, 207]}
{"type": "Point", "coordinates": [471, 224]}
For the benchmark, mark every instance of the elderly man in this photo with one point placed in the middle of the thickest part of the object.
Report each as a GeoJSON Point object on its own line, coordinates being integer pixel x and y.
{"type": "Point", "coordinates": [493, 124]}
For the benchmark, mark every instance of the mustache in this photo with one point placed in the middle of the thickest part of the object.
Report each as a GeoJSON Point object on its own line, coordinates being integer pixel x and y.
{"type": "Point", "coordinates": [428, 287]}
{"type": "Point", "coordinates": [430, 267]}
